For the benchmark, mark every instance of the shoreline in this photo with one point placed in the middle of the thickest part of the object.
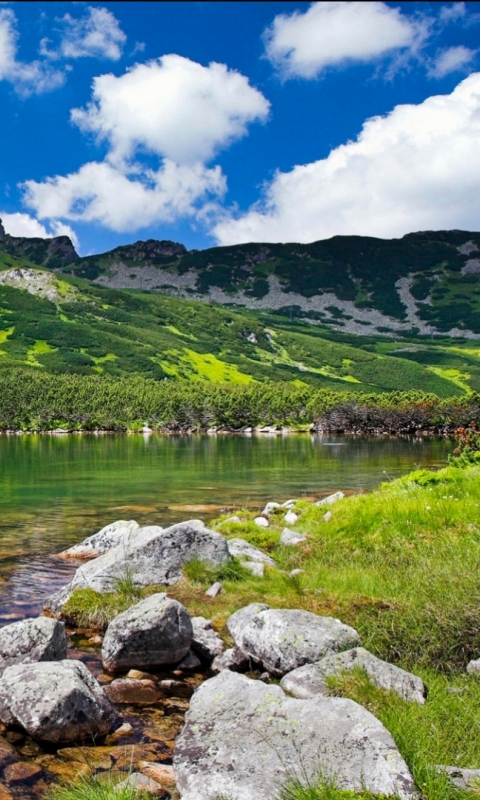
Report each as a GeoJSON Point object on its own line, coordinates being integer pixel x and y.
{"type": "Point", "coordinates": [418, 433]}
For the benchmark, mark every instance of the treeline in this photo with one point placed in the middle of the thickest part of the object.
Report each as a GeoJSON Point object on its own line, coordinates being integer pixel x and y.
{"type": "Point", "coordinates": [36, 401]}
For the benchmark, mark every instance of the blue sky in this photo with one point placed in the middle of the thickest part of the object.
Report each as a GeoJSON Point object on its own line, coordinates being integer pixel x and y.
{"type": "Point", "coordinates": [219, 123]}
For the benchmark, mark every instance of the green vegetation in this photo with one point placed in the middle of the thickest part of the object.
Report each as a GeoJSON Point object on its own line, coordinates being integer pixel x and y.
{"type": "Point", "coordinates": [90, 788]}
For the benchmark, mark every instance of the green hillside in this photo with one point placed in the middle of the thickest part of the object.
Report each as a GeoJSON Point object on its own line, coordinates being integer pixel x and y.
{"type": "Point", "coordinates": [60, 324]}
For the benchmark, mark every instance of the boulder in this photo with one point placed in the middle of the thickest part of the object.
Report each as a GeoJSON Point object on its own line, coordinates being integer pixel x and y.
{"type": "Point", "coordinates": [205, 642]}
{"type": "Point", "coordinates": [32, 640]}
{"type": "Point", "coordinates": [243, 739]}
{"type": "Point", "coordinates": [288, 537]}
{"type": "Point", "coordinates": [270, 507]}
{"type": "Point", "coordinates": [331, 499]}
{"type": "Point", "coordinates": [110, 536]}
{"type": "Point", "coordinates": [239, 548]}
{"type": "Point", "coordinates": [233, 659]}
{"type": "Point", "coordinates": [190, 663]}
{"type": "Point", "coordinates": [255, 568]}
{"type": "Point", "coordinates": [153, 632]}
{"type": "Point", "coordinates": [262, 522]}
{"type": "Point", "coordinates": [310, 680]}
{"type": "Point", "coordinates": [460, 778]}
{"type": "Point", "coordinates": [153, 556]}
{"type": "Point", "coordinates": [58, 701]}
{"type": "Point", "coordinates": [284, 639]}
{"type": "Point", "coordinates": [291, 518]}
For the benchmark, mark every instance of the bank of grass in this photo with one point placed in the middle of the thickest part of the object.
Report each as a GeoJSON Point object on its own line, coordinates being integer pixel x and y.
{"type": "Point", "coordinates": [89, 788]}
{"type": "Point", "coordinates": [402, 566]}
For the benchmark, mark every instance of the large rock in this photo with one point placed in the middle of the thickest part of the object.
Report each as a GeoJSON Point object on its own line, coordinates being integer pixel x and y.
{"type": "Point", "coordinates": [32, 640]}
{"type": "Point", "coordinates": [310, 680]}
{"type": "Point", "coordinates": [154, 556]}
{"type": "Point", "coordinates": [243, 739]}
{"type": "Point", "coordinates": [243, 549]}
{"type": "Point", "coordinates": [59, 701]}
{"type": "Point", "coordinates": [284, 639]}
{"type": "Point", "coordinates": [110, 536]}
{"type": "Point", "coordinates": [155, 631]}
{"type": "Point", "coordinates": [205, 642]}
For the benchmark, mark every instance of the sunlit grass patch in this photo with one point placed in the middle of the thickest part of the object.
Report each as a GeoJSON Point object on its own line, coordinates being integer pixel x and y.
{"type": "Point", "coordinates": [89, 788]}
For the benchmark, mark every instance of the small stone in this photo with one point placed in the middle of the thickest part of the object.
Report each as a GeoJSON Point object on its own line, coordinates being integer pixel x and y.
{"type": "Point", "coordinates": [265, 677]}
{"type": "Point", "coordinates": [190, 663]}
{"type": "Point", "coordinates": [125, 729]}
{"type": "Point", "coordinates": [262, 522]}
{"type": "Point", "coordinates": [162, 774]}
{"type": "Point", "coordinates": [327, 516]}
{"type": "Point", "coordinates": [231, 519]}
{"type": "Point", "coordinates": [291, 518]}
{"type": "Point", "coordinates": [233, 659]}
{"type": "Point", "coordinates": [214, 590]}
{"type": "Point", "coordinates": [171, 688]}
{"type": "Point", "coordinates": [138, 675]}
{"type": "Point", "coordinates": [288, 537]}
{"type": "Point", "coordinates": [461, 778]}
{"type": "Point", "coordinates": [258, 570]}
{"type": "Point", "coordinates": [289, 504]}
{"type": "Point", "coordinates": [22, 772]}
{"type": "Point", "coordinates": [140, 784]}
{"type": "Point", "coordinates": [295, 572]}
{"type": "Point", "coordinates": [473, 667]}
{"type": "Point", "coordinates": [331, 499]}
{"type": "Point", "coordinates": [4, 793]}
{"type": "Point", "coordinates": [126, 691]}
{"type": "Point", "coordinates": [270, 507]}
{"type": "Point", "coordinates": [206, 644]}
{"type": "Point", "coordinates": [95, 639]}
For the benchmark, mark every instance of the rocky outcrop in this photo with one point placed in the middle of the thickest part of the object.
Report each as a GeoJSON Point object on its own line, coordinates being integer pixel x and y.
{"type": "Point", "coordinates": [310, 680]}
{"type": "Point", "coordinates": [38, 282]}
{"type": "Point", "coordinates": [56, 702]}
{"type": "Point", "coordinates": [32, 640]}
{"type": "Point", "coordinates": [153, 632]}
{"type": "Point", "coordinates": [52, 253]}
{"type": "Point", "coordinates": [112, 535]}
{"type": "Point", "coordinates": [284, 639]}
{"type": "Point", "coordinates": [244, 739]}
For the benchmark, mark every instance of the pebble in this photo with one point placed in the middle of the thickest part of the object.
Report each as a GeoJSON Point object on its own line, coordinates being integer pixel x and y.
{"type": "Point", "coordinates": [214, 590]}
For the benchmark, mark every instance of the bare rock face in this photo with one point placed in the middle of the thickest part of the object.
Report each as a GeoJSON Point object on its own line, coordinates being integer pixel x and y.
{"type": "Point", "coordinates": [310, 680]}
{"type": "Point", "coordinates": [284, 639]}
{"type": "Point", "coordinates": [32, 640]}
{"type": "Point", "coordinates": [110, 536]}
{"type": "Point", "coordinates": [243, 739]}
{"type": "Point", "coordinates": [57, 702]}
{"type": "Point", "coordinates": [155, 631]}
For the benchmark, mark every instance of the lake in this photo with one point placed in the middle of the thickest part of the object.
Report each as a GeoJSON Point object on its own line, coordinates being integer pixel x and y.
{"type": "Point", "coordinates": [55, 490]}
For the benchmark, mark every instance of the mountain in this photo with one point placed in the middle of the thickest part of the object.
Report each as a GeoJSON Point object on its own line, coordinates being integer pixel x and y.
{"type": "Point", "coordinates": [76, 317]}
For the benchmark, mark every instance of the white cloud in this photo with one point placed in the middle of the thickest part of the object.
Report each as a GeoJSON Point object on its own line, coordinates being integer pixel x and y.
{"type": "Point", "coordinates": [418, 168]}
{"type": "Point", "coordinates": [174, 110]}
{"type": "Point", "coordinates": [29, 78]}
{"type": "Point", "coordinates": [97, 34]}
{"type": "Point", "coordinates": [453, 13]}
{"type": "Point", "coordinates": [334, 33]}
{"type": "Point", "coordinates": [172, 107]}
{"type": "Point", "coordinates": [100, 192]}
{"type": "Point", "coordinates": [451, 60]}
{"type": "Point", "coordinates": [18, 224]}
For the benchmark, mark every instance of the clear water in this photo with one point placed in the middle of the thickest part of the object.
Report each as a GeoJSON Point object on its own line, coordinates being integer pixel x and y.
{"type": "Point", "coordinates": [55, 490]}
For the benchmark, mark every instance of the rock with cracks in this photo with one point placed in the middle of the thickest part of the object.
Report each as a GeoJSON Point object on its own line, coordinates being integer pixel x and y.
{"type": "Point", "coordinates": [310, 680]}
{"type": "Point", "coordinates": [110, 536]}
{"type": "Point", "coordinates": [284, 639]}
{"type": "Point", "coordinates": [32, 640]}
{"type": "Point", "coordinates": [59, 701]}
{"type": "Point", "coordinates": [153, 632]}
{"type": "Point", "coordinates": [244, 739]}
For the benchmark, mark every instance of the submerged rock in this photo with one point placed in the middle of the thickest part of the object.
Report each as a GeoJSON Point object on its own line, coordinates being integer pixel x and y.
{"type": "Point", "coordinates": [59, 701]}
{"type": "Point", "coordinates": [284, 639]}
{"type": "Point", "coordinates": [32, 640]}
{"type": "Point", "coordinates": [244, 739]}
{"type": "Point", "coordinates": [110, 536]}
{"type": "Point", "coordinates": [310, 680]}
{"type": "Point", "coordinates": [153, 632]}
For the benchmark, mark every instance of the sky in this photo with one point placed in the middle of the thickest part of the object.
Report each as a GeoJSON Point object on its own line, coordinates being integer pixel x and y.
{"type": "Point", "coordinates": [219, 123]}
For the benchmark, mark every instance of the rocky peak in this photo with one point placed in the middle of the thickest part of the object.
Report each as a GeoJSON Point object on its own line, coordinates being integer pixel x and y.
{"type": "Point", "coordinates": [2, 230]}
{"type": "Point", "coordinates": [52, 253]}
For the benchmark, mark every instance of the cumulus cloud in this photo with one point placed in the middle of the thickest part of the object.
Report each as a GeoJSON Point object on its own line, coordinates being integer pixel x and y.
{"type": "Point", "coordinates": [96, 34]}
{"type": "Point", "coordinates": [450, 60]}
{"type": "Point", "coordinates": [333, 33]}
{"type": "Point", "coordinates": [173, 110]}
{"type": "Point", "coordinates": [28, 78]}
{"type": "Point", "coordinates": [172, 107]}
{"type": "Point", "coordinates": [417, 168]}
{"type": "Point", "coordinates": [18, 224]}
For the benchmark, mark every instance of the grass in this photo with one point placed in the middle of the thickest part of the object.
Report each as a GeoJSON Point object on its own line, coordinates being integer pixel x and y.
{"type": "Point", "coordinates": [90, 609]}
{"type": "Point", "coordinates": [88, 788]}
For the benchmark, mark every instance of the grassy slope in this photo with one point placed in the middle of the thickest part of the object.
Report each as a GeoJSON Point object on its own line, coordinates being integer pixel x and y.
{"type": "Point", "coordinates": [118, 332]}
{"type": "Point", "coordinates": [401, 565]}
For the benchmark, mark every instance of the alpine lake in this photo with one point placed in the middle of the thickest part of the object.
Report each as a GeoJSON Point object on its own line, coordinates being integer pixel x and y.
{"type": "Point", "coordinates": [58, 489]}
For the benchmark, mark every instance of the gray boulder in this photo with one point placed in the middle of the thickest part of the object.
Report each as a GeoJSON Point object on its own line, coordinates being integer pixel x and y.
{"type": "Point", "coordinates": [153, 556]}
{"type": "Point", "coordinates": [284, 639]}
{"type": "Point", "coordinates": [255, 567]}
{"type": "Point", "coordinates": [330, 500]}
{"type": "Point", "coordinates": [243, 739]}
{"type": "Point", "coordinates": [233, 659]}
{"type": "Point", "coordinates": [288, 537]}
{"type": "Point", "coordinates": [205, 642]}
{"type": "Point", "coordinates": [310, 680]}
{"type": "Point", "coordinates": [32, 640]}
{"type": "Point", "coordinates": [153, 632]}
{"type": "Point", "coordinates": [460, 778]}
{"type": "Point", "coordinates": [59, 701]}
{"type": "Point", "coordinates": [242, 549]}
{"type": "Point", "coordinates": [110, 536]}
